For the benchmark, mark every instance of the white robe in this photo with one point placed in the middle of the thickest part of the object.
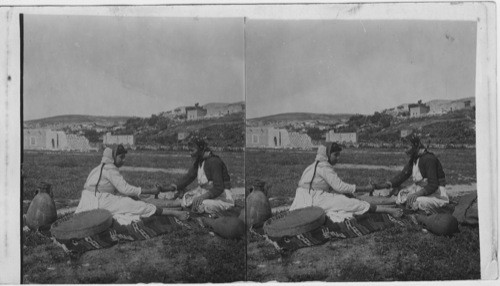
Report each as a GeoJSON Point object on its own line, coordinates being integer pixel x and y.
{"type": "Point", "coordinates": [113, 194]}
{"type": "Point", "coordinates": [327, 191]}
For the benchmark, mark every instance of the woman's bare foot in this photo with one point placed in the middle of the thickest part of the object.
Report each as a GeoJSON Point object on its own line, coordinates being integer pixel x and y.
{"type": "Point", "coordinates": [395, 212]}
{"type": "Point", "coordinates": [172, 203]}
{"type": "Point", "coordinates": [181, 215]}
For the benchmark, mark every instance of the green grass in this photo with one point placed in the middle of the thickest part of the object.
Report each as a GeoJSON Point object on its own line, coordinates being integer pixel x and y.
{"type": "Point", "coordinates": [67, 172]}
{"type": "Point", "coordinates": [185, 256]}
{"type": "Point", "coordinates": [191, 256]}
{"type": "Point", "coordinates": [282, 170]}
{"type": "Point", "coordinates": [180, 257]}
{"type": "Point", "coordinates": [395, 254]}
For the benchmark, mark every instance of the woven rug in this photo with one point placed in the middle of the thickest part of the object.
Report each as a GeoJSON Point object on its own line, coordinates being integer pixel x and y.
{"type": "Point", "coordinates": [351, 228]}
{"type": "Point", "coordinates": [144, 229]}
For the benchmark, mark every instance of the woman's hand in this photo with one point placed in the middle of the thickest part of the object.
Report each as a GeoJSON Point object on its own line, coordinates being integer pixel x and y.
{"type": "Point", "coordinates": [411, 199]}
{"type": "Point", "coordinates": [154, 191]}
{"type": "Point", "coordinates": [380, 186]}
{"type": "Point", "coordinates": [170, 188]}
{"type": "Point", "coordinates": [199, 199]}
{"type": "Point", "coordinates": [365, 189]}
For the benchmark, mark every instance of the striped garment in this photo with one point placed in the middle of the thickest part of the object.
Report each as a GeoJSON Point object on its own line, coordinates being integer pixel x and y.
{"type": "Point", "coordinates": [146, 228]}
{"type": "Point", "coordinates": [351, 228]}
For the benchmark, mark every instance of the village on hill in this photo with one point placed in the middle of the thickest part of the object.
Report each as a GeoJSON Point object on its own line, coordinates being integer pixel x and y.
{"type": "Point", "coordinates": [446, 123]}
{"type": "Point", "coordinates": [371, 131]}
{"type": "Point", "coordinates": [86, 134]}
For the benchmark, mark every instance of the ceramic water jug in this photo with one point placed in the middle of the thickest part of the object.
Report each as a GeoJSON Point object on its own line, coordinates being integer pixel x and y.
{"type": "Point", "coordinates": [439, 224]}
{"type": "Point", "coordinates": [42, 210]}
{"type": "Point", "coordinates": [227, 227]}
{"type": "Point", "coordinates": [257, 207]}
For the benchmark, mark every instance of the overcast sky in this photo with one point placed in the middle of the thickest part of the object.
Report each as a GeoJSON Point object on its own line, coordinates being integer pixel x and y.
{"type": "Point", "coordinates": [132, 66]}
{"type": "Point", "coordinates": [129, 66]}
{"type": "Point", "coordinates": [340, 66]}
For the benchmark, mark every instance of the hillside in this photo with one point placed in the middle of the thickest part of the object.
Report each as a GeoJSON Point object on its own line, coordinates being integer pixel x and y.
{"type": "Point", "coordinates": [457, 127]}
{"type": "Point", "coordinates": [302, 116]}
{"type": "Point", "coordinates": [66, 120]}
{"type": "Point", "coordinates": [219, 104]}
{"type": "Point", "coordinates": [158, 131]}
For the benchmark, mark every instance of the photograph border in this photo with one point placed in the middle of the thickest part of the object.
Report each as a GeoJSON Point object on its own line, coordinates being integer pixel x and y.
{"type": "Point", "coordinates": [484, 13]}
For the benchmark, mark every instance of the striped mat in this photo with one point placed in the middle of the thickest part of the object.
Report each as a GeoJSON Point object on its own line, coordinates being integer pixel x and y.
{"type": "Point", "coordinates": [144, 229]}
{"type": "Point", "coordinates": [355, 227]}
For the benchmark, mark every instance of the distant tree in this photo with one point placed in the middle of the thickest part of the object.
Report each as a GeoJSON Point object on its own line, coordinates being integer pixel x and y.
{"type": "Point", "coordinates": [133, 123]}
{"type": "Point", "coordinates": [385, 120]}
{"type": "Point", "coordinates": [315, 133]}
{"type": "Point", "coordinates": [153, 120]}
{"type": "Point", "coordinates": [163, 123]}
{"type": "Point", "coordinates": [375, 118]}
{"type": "Point", "coordinates": [181, 116]}
{"type": "Point", "coordinates": [356, 121]}
{"type": "Point", "coordinates": [91, 135]}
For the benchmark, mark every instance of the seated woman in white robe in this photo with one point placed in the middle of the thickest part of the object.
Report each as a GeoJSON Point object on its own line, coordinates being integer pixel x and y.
{"type": "Point", "coordinates": [320, 186]}
{"type": "Point", "coordinates": [106, 188]}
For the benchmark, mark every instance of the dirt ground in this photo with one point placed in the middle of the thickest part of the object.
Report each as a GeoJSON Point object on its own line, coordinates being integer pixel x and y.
{"type": "Point", "coordinates": [394, 254]}
{"type": "Point", "coordinates": [186, 256]}
{"type": "Point", "coordinates": [190, 256]}
{"type": "Point", "coordinates": [391, 255]}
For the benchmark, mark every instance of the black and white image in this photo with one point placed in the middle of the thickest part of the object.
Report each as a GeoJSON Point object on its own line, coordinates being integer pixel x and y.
{"type": "Point", "coordinates": [169, 143]}
{"type": "Point", "coordinates": [132, 149]}
{"type": "Point", "coordinates": [367, 128]}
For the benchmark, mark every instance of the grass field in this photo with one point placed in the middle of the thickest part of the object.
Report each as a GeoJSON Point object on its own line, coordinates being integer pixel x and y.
{"type": "Point", "coordinates": [282, 170]}
{"type": "Point", "coordinates": [184, 256]}
{"type": "Point", "coordinates": [395, 254]}
{"type": "Point", "coordinates": [67, 172]}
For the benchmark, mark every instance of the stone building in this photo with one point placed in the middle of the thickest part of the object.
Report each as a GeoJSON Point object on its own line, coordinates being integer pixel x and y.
{"type": "Point", "coordinates": [347, 137]}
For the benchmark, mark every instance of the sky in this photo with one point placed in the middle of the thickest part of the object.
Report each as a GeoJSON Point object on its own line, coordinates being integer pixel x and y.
{"type": "Point", "coordinates": [353, 66]}
{"type": "Point", "coordinates": [138, 66]}
{"type": "Point", "coordinates": [129, 66]}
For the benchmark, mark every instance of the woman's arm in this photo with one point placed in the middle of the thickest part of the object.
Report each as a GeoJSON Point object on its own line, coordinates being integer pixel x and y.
{"type": "Point", "coordinates": [397, 180]}
{"type": "Point", "coordinates": [187, 179]}
{"type": "Point", "coordinates": [365, 189]}
{"type": "Point", "coordinates": [429, 164]}
{"type": "Point", "coordinates": [117, 180]}
{"type": "Point", "coordinates": [329, 175]}
{"type": "Point", "coordinates": [214, 169]}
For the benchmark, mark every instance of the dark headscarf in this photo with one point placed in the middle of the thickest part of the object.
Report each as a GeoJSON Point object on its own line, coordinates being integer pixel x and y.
{"type": "Point", "coordinates": [415, 145]}
{"type": "Point", "coordinates": [331, 147]}
{"type": "Point", "coordinates": [110, 154]}
{"type": "Point", "coordinates": [119, 150]}
{"type": "Point", "coordinates": [201, 147]}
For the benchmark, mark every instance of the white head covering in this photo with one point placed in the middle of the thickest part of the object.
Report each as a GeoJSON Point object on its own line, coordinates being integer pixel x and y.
{"type": "Point", "coordinates": [107, 156]}
{"type": "Point", "coordinates": [321, 154]}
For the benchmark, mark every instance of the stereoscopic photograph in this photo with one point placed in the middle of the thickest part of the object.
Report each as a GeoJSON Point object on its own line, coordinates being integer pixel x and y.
{"type": "Point", "coordinates": [249, 143]}
{"type": "Point", "coordinates": [133, 136]}
{"type": "Point", "coordinates": [361, 135]}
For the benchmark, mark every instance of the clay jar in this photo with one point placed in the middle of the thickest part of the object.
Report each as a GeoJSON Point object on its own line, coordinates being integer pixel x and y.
{"type": "Point", "coordinates": [257, 208]}
{"type": "Point", "coordinates": [227, 227]}
{"type": "Point", "coordinates": [42, 210]}
{"type": "Point", "coordinates": [439, 224]}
